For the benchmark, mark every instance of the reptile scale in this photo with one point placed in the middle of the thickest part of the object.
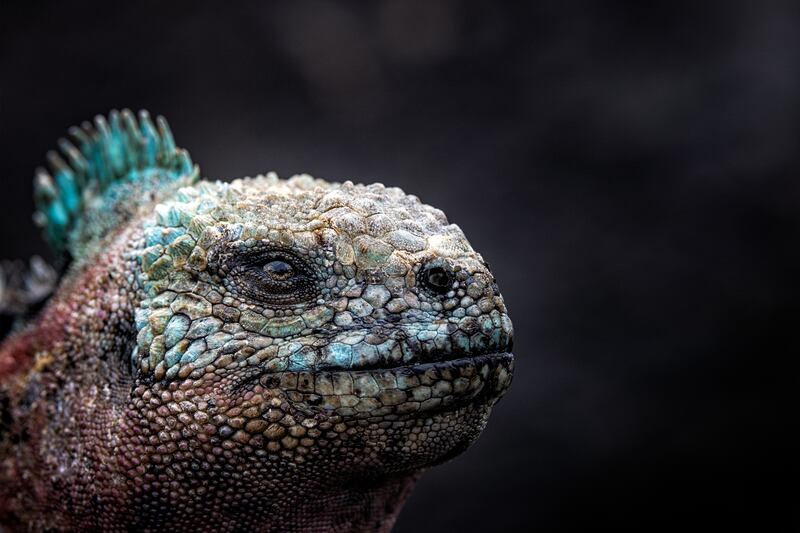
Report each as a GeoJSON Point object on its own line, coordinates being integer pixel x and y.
{"type": "Point", "coordinates": [261, 355]}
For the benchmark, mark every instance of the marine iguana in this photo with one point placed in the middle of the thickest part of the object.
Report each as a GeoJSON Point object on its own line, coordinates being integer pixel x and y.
{"type": "Point", "coordinates": [261, 355]}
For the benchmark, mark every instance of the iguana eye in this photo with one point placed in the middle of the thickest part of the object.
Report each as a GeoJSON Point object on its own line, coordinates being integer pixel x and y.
{"type": "Point", "coordinates": [272, 277]}
{"type": "Point", "coordinates": [279, 270]}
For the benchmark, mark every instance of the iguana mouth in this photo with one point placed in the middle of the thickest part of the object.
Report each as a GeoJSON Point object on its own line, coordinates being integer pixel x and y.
{"type": "Point", "coordinates": [404, 389]}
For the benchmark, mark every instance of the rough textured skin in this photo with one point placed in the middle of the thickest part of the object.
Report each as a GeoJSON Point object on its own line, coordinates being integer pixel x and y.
{"type": "Point", "coordinates": [261, 355]}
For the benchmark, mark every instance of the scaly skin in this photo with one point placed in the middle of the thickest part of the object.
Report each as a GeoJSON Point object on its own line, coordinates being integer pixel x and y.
{"type": "Point", "coordinates": [263, 355]}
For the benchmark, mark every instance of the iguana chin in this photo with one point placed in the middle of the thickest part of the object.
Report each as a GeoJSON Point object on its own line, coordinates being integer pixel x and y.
{"type": "Point", "coordinates": [260, 355]}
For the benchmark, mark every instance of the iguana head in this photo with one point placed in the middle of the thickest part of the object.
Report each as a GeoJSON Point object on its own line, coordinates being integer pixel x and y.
{"type": "Point", "coordinates": [292, 329]}
{"type": "Point", "coordinates": [319, 319]}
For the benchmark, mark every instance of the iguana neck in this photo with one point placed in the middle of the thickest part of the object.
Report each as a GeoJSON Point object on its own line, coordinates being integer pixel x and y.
{"type": "Point", "coordinates": [365, 506]}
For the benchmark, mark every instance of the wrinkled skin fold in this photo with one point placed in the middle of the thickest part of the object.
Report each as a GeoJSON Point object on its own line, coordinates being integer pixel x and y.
{"type": "Point", "coordinates": [260, 355]}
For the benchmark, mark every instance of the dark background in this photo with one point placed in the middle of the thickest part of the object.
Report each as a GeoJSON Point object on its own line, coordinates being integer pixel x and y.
{"type": "Point", "coordinates": [629, 170]}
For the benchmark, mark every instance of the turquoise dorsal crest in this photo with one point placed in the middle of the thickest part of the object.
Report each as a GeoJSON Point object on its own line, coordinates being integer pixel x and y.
{"type": "Point", "coordinates": [102, 175]}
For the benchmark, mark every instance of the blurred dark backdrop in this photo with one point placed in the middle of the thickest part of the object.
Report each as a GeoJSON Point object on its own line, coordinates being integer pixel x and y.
{"type": "Point", "coordinates": [629, 170]}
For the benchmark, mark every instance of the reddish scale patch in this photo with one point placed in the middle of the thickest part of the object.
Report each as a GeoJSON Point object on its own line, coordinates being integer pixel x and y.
{"type": "Point", "coordinates": [17, 354]}
{"type": "Point", "coordinates": [52, 382]}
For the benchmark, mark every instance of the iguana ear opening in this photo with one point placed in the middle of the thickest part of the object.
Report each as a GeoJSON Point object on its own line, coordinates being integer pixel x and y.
{"type": "Point", "coordinates": [100, 177]}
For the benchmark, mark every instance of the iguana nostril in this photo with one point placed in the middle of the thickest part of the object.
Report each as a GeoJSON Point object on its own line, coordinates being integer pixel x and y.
{"type": "Point", "coordinates": [438, 279]}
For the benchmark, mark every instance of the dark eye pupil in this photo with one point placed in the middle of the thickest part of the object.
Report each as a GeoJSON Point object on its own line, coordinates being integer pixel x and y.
{"type": "Point", "coordinates": [439, 279]}
{"type": "Point", "coordinates": [279, 270]}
